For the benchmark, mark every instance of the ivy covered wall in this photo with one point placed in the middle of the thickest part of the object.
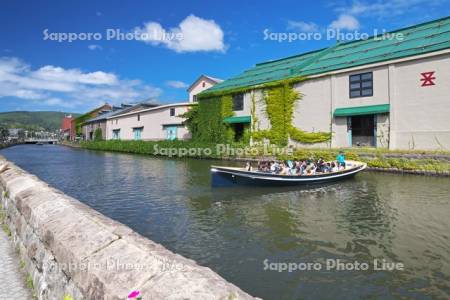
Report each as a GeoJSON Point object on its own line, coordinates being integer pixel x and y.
{"type": "Point", "coordinates": [205, 121]}
{"type": "Point", "coordinates": [279, 103]}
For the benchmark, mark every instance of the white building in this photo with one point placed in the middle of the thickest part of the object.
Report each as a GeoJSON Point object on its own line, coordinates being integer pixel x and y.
{"type": "Point", "coordinates": [389, 93]}
{"type": "Point", "coordinates": [162, 122]}
{"type": "Point", "coordinates": [156, 123]}
{"type": "Point", "coordinates": [202, 83]}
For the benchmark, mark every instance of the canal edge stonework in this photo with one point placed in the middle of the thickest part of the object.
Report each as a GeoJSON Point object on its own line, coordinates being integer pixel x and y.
{"type": "Point", "coordinates": [70, 250]}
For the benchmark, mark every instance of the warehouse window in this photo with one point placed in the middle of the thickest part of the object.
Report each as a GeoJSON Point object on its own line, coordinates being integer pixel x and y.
{"type": "Point", "coordinates": [361, 85]}
{"type": "Point", "coordinates": [238, 102]}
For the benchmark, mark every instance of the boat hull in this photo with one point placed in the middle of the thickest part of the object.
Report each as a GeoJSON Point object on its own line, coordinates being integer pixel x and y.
{"type": "Point", "coordinates": [225, 177]}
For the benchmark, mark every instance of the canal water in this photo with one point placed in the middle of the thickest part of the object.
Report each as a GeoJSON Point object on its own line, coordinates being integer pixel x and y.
{"type": "Point", "coordinates": [246, 234]}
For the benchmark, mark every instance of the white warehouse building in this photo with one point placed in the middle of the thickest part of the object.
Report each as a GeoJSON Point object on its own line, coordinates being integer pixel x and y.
{"type": "Point", "coordinates": [150, 121]}
{"type": "Point", "coordinates": [391, 92]}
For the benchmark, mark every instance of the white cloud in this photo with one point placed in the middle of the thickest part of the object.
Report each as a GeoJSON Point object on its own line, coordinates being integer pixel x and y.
{"type": "Point", "coordinates": [384, 9]}
{"type": "Point", "coordinates": [345, 22]}
{"type": "Point", "coordinates": [95, 47]}
{"type": "Point", "coordinates": [177, 84]}
{"type": "Point", "coordinates": [192, 34]}
{"type": "Point", "coordinates": [59, 87]}
{"type": "Point", "coordinates": [303, 26]}
{"type": "Point", "coordinates": [59, 74]}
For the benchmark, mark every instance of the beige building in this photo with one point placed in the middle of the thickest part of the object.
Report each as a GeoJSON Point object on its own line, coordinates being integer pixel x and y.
{"type": "Point", "coordinates": [156, 123]}
{"type": "Point", "coordinates": [99, 122]}
{"type": "Point", "coordinates": [202, 83]}
{"type": "Point", "coordinates": [378, 92]}
{"type": "Point", "coordinates": [162, 122]}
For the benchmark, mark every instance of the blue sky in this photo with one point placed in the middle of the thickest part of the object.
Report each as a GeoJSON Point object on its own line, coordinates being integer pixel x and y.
{"type": "Point", "coordinates": [217, 38]}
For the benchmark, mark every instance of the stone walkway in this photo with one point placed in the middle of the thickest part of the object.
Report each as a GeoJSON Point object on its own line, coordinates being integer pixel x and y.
{"type": "Point", "coordinates": [12, 280]}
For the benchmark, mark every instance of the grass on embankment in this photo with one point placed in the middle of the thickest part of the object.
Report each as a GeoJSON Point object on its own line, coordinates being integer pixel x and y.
{"type": "Point", "coordinates": [374, 158]}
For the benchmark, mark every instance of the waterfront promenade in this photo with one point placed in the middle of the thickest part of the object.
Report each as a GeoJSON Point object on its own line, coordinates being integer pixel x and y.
{"type": "Point", "coordinates": [12, 279]}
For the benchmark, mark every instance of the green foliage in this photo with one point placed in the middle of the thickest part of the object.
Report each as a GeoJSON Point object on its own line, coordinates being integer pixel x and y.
{"type": "Point", "coordinates": [6, 229]}
{"type": "Point", "coordinates": [32, 120]}
{"type": "Point", "coordinates": [22, 264]}
{"type": "Point", "coordinates": [98, 134]}
{"type": "Point", "coordinates": [255, 120]}
{"type": "Point", "coordinates": [29, 282]}
{"type": "Point", "coordinates": [308, 137]}
{"type": "Point", "coordinates": [280, 105]}
{"type": "Point", "coordinates": [280, 99]}
{"type": "Point", "coordinates": [147, 148]}
{"type": "Point", "coordinates": [143, 147]}
{"type": "Point", "coordinates": [67, 297]}
{"type": "Point", "coordinates": [4, 133]}
{"type": "Point", "coordinates": [315, 154]}
{"type": "Point", "coordinates": [191, 118]}
{"type": "Point", "coordinates": [205, 121]}
{"type": "Point", "coordinates": [409, 164]}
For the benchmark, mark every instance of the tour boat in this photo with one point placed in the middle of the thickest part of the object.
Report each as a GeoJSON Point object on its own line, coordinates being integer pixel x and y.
{"type": "Point", "coordinates": [229, 176]}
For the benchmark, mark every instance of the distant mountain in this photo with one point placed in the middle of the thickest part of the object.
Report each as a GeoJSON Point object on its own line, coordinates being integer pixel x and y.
{"type": "Point", "coordinates": [33, 120]}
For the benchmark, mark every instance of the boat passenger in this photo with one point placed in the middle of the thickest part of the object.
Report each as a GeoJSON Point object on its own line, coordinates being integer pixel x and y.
{"type": "Point", "coordinates": [248, 166]}
{"type": "Point", "coordinates": [311, 169]}
{"type": "Point", "coordinates": [334, 167]}
{"type": "Point", "coordinates": [303, 168]}
{"type": "Point", "coordinates": [321, 165]}
{"type": "Point", "coordinates": [274, 167]}
{"type": "Point", "coordinates": [284, 169]}
{"type": "Point", "coordinates": [341, 159]}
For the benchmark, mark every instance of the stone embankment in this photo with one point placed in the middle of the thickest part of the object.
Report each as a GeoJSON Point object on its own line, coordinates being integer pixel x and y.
{"type": "Point", "coordinates": [71, 251]}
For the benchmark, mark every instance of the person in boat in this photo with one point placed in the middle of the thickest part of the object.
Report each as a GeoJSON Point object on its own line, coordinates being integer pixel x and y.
{"type": "Point", "coordinates": [334, 167]}
{"type": "Point", "coordinates": [301, 168]}
{"type": "Point", "coordinates": [326, 167]}
{"type": "Point", "coordinates": [248, 166]}
{"type": "Point", "coordinates": [284, 169]}
{"type": "Point", "coordinates": [341, 160]}
{"type": "Point", "coordinates": [321, 165]}
{"type": "Point", "coordinates": [263, 166]}
{"type": "Point", "coordinates": [311, 169]}
{"type": "Point", "coordinates": [275, 167]}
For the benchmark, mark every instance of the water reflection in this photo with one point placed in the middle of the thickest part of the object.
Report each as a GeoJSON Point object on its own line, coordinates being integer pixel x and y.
{"type": "Point", "coordinates": [233, 230]}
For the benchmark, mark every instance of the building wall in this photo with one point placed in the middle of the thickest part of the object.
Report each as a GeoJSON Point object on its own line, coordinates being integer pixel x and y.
{"type": "Point", "coordinates": [418, 117]}
{"type": "Point", "coordinates": [313, 110]}
{"type": "Point", "coordinates": [152, 122]}
{"type": "Point", "coordinates": [88, 128]}
{"type": "Point", "coordinates": [341, 98]}
{"type": "Point", "coordinates": [197, 88]}
{"type": "Point", "coordinates": [421, 114]}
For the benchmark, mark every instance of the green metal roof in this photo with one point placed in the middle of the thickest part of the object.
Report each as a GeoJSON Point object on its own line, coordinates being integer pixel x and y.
{"type": "Point", "coordinates": [243, 119]}
{"type": "Point", "coordinates": [418, 39]}
{"type": "Point", "coordinates": [361, 110]}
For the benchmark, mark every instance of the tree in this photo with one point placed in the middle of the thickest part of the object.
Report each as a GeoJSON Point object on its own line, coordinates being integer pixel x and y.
{"type": "Point", "coordinates": [191, 120]}
{"type": "Point", "coordinates": [21, 135]}
{"type": "Point", "coordinates": [4, 133]}
{"type": "Point", "coordinates": [98, 134]}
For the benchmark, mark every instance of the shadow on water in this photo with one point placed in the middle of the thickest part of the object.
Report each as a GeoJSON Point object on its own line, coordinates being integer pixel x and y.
{"type": "Point", "coordinates": [235, 230]}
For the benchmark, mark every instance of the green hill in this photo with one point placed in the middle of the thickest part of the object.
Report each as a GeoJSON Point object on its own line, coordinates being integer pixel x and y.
{"type": "Point", "coordinates": [33, 120]}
